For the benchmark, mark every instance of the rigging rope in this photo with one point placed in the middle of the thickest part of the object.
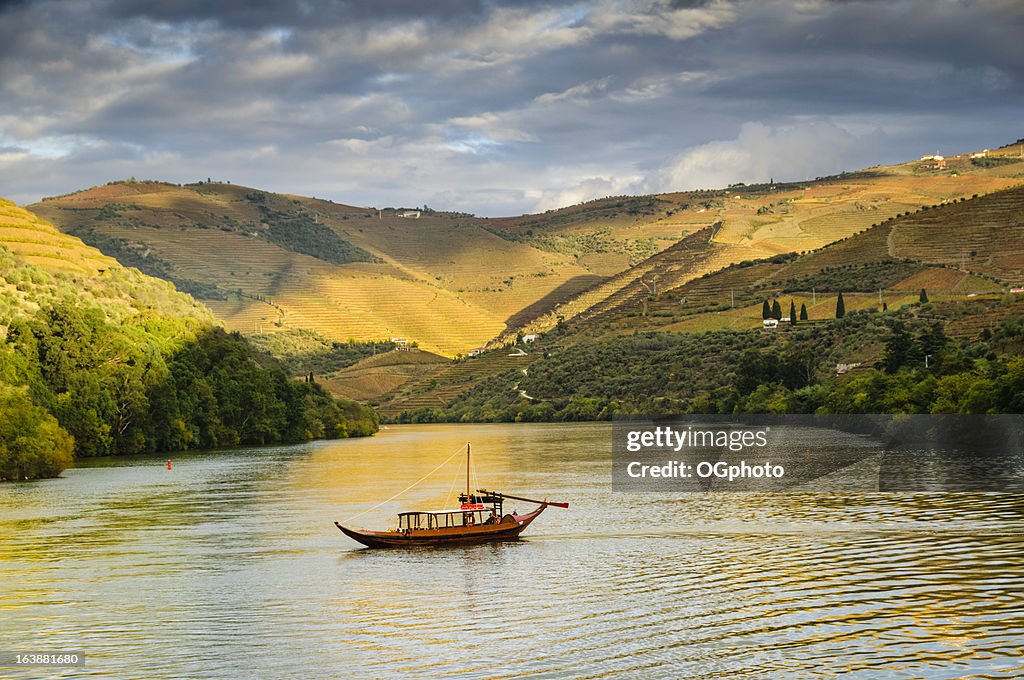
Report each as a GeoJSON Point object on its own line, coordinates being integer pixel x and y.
{"type": "Point", "coordinates": [448, 498]}
{"type": "Point", "coordinates": [388, 500]}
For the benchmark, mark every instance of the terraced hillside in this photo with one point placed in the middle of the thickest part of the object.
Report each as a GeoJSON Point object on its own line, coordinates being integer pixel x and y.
{"type": "Point", "coordinates": [956, 251]}
{"type": "Point", "coordinates": [40, 243]}
{"type": "Point", "coordinates": [985, 315]}
{"type": "Point", "coordinates": [751, 221]}
{"type": "Point", "coordinates": [62, 259]}
{"type": "Point", "coordinates": [258, 260]}
{"type": "Point", "coordinates": [452, 282]}
{"type": "Point", "coordinates": [664, 270]}
{"type": "Point", "coordinates": [440, 388]}
{"type": "Point", "coordinates": [885, 266]}
{"type": "Point", "coordinates": [369, 379]}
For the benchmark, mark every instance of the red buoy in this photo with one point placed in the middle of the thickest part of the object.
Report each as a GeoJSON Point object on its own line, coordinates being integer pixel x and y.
{"type": "Point", "coordinates": [168, 465]}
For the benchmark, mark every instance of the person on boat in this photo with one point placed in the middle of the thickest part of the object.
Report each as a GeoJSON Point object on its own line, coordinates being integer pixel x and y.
{"type": "Point", "coordinates": [493, 519]}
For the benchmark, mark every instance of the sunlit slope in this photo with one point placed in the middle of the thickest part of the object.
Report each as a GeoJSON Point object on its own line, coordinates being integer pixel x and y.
{"type": "Point", "coordinates": [452, 281]}
{"type": "Point", "coordinates": [41, 266]}
{"type": "Point", "coordinates": [750, 222]}
{"type": "Point", "coordinates": [439, 279]}
{"type": "Point", "coordinates": [956, 251]}
{"type": "Point", "coordinates": [966, 255]}
{"type": "Point", "coordinates": [770, 218]}
{"type": "Point", "coordinates": [38, 242]}
{"type": "Point", "coordinates": [440, 387]}
{"type": "Point", "coordinates": [374, 376]}
{"type": "Point", "coordinates": [676, 264]}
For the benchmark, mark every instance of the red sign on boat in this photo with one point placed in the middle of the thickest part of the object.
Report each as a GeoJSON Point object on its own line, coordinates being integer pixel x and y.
{"type": "Point", "coordinates": [472, 506]}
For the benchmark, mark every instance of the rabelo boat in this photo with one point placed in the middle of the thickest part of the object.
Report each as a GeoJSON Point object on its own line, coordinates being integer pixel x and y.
{"type": "Point", "coordinates": [480, 518]}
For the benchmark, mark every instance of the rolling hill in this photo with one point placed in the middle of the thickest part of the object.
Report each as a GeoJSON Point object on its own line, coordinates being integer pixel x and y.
{"type": "Point", "coordinates": [431, 278]}
{"type": "Point", "coordinates": [966, 248]}
{"type": "Point", "coordinates": [265, 262]}
{"type": "Point", "coordinates": [966, 254]}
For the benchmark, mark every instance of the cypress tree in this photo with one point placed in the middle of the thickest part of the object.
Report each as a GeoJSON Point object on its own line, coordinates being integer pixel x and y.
{"type": "Point", "coordinates": [792, 312]}
{"type": "Point", "coordinates": [776, 310]}
{"type": "Point", "coordinates": [766, 311]}
{"type": "Point", "coordinates": [803, 312]}
{"type": "Point", "coordinates": [924, 296]}
{"type": "Point", "coordinates": [840, 306]}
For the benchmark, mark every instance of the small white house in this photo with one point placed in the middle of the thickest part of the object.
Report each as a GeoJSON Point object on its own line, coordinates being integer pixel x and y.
{"type": "Point", "coordinates": [980, 154]}
{"type": "Point", "coordinates": [475, 352]}
{"type": "Point", "coordinates": [1017, 291]}
{"type": "Point", "coordinates": [411, 214]}
{"type": "Point", "coordinates": [785, 319]}
{"type": "Point", "coordinates": [530, 337]}
{"type": "Point", "coordinates": [770, 323]}
{"type": "Point", "coordinates": [400, 343]}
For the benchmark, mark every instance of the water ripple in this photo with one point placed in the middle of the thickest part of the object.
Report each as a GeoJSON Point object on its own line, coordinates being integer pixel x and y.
{"type": "Point", "coordinates": [229, 567]}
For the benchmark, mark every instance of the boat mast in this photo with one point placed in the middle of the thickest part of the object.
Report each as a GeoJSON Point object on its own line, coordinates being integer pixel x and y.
{"type": "Point", "coordinates": [469, 447]}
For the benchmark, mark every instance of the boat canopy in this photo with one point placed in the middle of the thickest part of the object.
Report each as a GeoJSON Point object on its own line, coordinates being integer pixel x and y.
{"type": "Point", "coordinates": [442, 512]}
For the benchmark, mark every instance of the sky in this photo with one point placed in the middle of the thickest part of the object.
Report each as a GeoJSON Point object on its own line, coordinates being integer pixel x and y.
{"type": "Point", "coordinates": [495, 108]}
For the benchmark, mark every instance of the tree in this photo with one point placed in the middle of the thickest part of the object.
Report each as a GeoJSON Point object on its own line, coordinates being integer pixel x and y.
{"type": "Point", "coordinates": [932, 342]}
{"type": "Point", "coordinates": [840, 306]}
{"type": "Point", "coordinates": [897, 348]}
{"type": "Point", "coordinates": [803, 312]}
{"type": "Point", "coordinates": [766, 311]}
{"type": "Point", "coordinates": [756, 368]}
{"type": "Point", "coordinates": [924, 295]}
{"type": "Point", "coordinates": [32, 443]}
{"type": "Point", "coordinates": [776, 310]}
{"type": "Point", "coordinates": [792, 312]}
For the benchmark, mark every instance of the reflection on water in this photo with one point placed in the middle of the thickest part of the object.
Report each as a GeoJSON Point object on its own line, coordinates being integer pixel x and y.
{"type": "Point", "coordinates": [229, 566]}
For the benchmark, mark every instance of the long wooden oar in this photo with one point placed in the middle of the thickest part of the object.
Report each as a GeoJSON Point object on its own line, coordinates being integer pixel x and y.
{"type": "Point", "coordinates": [520, 498]}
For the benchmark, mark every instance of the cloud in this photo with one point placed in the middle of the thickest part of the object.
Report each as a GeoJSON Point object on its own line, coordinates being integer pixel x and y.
{"type": "Point", "coordinates": [662, 18]}
{"type": "Point", "coordinates": [576, 93]}
{"type": "Point", "coordinates": [581, 191]}
{"type": "Point", "coordinates": [494, 105]}
{"type": "Point", "coordinates": [761, 153]}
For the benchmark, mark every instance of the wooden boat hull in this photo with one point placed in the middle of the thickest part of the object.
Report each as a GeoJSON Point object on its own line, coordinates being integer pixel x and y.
{"type": "Point", "coordinates": [481, 533]}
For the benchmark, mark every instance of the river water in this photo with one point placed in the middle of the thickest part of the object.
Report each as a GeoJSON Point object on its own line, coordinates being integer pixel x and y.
{"type": "Point", "coordinates": [229, 566]}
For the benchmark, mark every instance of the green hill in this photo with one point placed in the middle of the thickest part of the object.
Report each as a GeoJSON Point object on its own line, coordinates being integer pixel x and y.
{"type": "Point", "coordinates": [100, 359]}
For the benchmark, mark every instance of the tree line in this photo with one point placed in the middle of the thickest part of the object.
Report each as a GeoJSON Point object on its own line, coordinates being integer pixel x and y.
{"type": "Point", "coordinates": [920, 370]}
{"type": "Point", "coordinates": [74, 382]}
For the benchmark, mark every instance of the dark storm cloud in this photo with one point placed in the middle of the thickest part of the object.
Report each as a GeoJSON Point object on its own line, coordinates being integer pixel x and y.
{"type": "Point", "coordinates": [493, 107]}
{"type": "Point", "coordinates": [243, 14]}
